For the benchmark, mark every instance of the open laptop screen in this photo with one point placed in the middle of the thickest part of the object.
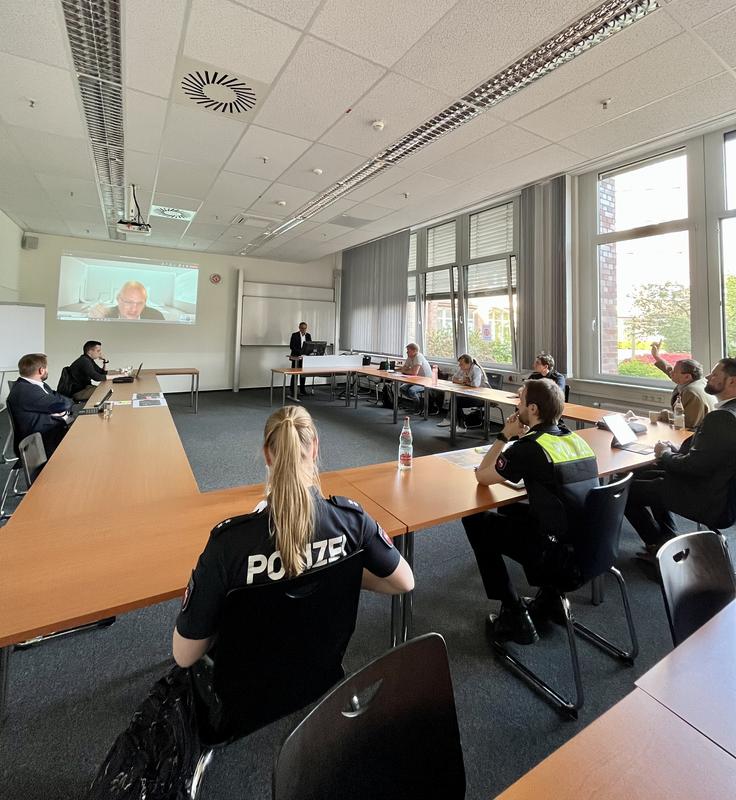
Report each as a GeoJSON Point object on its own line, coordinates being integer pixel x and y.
{"type": "Point", "coordinates": [622, 433]}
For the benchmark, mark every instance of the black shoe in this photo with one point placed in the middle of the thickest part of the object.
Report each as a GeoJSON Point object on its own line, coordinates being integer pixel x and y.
{"type": "Point", "coordinates": [546, 607]}
{"type": "Point", "coordinates": [512, 623]}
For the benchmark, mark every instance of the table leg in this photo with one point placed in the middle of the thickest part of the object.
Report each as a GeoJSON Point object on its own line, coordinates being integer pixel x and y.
{"type": "Point", "coordinates": [356, 380]}
{"type": "Point", "coordinates": [486, 425]}
{"type": "Point", "coordinates": [453, 418]}
{"type": "Point", "coordinates": [401, 604]}
{"type": "Point", "coordinates": [396, 386]}
{"type": "Point", "coordinates": [426, 403]}
{"type": "Point", "coordinates": [4, 666]}
{"type": "Point", "coordinates": [332, 387]}
{"type": "Point", "coordinates": [283, 392]}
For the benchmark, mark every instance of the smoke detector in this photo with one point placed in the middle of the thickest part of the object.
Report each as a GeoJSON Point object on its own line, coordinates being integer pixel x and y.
{"type": "Point", "coordinates": [378, 124]}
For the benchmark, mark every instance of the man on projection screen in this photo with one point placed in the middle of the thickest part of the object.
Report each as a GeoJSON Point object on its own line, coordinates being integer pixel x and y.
{"type": "Point", "coordinates": [132, 299]}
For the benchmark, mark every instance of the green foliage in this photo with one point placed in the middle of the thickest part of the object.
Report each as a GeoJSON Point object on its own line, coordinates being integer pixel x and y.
{"type": "Point", "coordinates": [639, 369]}
{"type": "Point", "coordinates": [662, 310]}
{"type": "Point", "coordinates": [440, 344]}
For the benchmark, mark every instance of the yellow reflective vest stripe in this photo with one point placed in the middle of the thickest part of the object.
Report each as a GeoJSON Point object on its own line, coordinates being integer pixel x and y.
{"type": "Point", "coordinates": [564, 449]}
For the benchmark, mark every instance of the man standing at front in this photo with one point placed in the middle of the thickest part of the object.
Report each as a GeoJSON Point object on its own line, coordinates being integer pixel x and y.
{"type": "Point", "coordinates": [558, 468]}
{"type": "Point", "coordinates": [35, 406]}
{"type": "Point", "coordinates": [84, 370]}
{"type": "Point", "coordinates": [296, 345]}
{"type": "Point", "coordinates": [698, 481]}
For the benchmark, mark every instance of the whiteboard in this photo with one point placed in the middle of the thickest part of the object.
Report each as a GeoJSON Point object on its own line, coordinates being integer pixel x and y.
{"type": "Point", "coordinates": [271, 320]}
{"type": "Point", "coordinates": [22, 330]}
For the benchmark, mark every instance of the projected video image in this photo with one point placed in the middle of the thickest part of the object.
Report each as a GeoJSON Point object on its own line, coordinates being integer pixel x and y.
{"type": "Point", "coordinates": [126, 290]}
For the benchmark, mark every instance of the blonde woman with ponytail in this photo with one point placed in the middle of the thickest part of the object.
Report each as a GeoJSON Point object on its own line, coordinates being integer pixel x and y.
{"type": "Point", "coordinates": [294, 530]}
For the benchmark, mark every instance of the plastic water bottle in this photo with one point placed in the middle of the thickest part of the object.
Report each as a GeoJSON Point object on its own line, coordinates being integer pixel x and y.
{"type": "Point", "coordinates": [406, 447]}
{"type": "Point", "coordinates": [678, 422]}
{"type": "Point", "coordinates": [435, 374]}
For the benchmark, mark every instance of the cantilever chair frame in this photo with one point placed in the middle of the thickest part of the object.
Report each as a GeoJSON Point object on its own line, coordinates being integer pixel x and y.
{"type": "Point", "coordinates": [567, 706]}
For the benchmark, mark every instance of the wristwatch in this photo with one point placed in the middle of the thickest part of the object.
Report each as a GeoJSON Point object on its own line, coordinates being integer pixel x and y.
{"type": "Point", "coordinates": [501, 437]}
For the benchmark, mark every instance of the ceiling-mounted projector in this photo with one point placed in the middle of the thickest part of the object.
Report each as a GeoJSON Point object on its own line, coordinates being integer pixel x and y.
{"type": "Point", "coordinates": [133, 224]}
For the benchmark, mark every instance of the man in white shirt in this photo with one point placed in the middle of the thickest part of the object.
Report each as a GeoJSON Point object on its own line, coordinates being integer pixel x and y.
{"type": "Point", "coordinates": [414, 364]}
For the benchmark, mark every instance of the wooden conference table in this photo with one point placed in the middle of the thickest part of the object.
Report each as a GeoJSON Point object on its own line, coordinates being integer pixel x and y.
{"type": "Point", "coordinates": [637, 750]}
{"type": "Point", "coordinates": [115, 521]}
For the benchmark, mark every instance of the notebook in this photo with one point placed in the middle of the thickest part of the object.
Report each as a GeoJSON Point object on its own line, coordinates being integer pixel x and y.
{"type": "Point", "coordinates": [128, 378]}
{"type": "Point", "coordinates": [623, 437]}
{"type": "Point", "coordinates": [97, 408]}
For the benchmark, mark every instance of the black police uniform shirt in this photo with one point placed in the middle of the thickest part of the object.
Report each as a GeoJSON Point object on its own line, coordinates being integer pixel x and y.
{"type": "Point", "coordinates": [242, 552]}
{"type": "Point", "coordinates": [556, 490]}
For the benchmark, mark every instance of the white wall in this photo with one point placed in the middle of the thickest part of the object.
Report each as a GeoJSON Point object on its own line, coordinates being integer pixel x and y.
{"type": "Point", "coordinates": [207, 345]}
{"type": "Point", "coordinates": [10, 236]}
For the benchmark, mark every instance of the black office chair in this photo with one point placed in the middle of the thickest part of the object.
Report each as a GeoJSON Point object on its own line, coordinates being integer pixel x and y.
{"type": "Point", "coordinates": [495, 381]}
{"type": "Point", "coordinates": [65, 384]}
{"type": "Point", "coordinates": [280, 647]}
{"type": "Point", "coordinates": [10, 489]}
{"type": "Point", "coordinates": [697, 580]}
{"type": "Point", "coordinates": [567, 392]}
{"type": "Point", "coordinates": [596, 551]}
{"type": "Point", "coordinates": [389, 731]}
{"type": "Point", "coordinates": [32, 457]}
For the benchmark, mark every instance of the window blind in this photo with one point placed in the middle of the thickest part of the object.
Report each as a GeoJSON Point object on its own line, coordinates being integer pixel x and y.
{"type": "Point", "coordinates": [489, 278]}
{"type": "Point", "coordinates": [441, 245]}
{"type": "Point", "coordinates": [492, 231]}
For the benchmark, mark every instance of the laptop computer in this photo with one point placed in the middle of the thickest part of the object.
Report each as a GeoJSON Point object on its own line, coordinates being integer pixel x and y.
{"type": "Point", "coordinates": [623, 437]}
{"type": "Point", "coordinates": [97, 407]}
{"type": "Point", "coordinates": [128, 378]}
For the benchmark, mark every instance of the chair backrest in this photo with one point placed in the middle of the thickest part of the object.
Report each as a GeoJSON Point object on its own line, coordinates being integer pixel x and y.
{"type": "Point", "coordinates": [495, 380]}
{"type": "Point", "coordinates": [32, 456]}
{"type": "Point", "coordinates": [389, 731]}
{"type": "Point", "coordinates": [697, 580]}
{"type": "Point", "coordinates": [599, 533]}
{"type": "Point", "coordinates": [11, 419]}
{"type": "Point", "coordinates": [280, 645]}
{"type": "Point", "coordinates": [66, 383]}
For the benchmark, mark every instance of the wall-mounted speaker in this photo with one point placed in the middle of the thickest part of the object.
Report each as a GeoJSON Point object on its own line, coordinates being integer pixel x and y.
{"type": "Point", "coordinates": [29, 242]}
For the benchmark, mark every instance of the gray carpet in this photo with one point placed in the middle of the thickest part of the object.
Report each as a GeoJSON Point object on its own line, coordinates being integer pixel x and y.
{"type": "Point", "coordinates": [69, 699]}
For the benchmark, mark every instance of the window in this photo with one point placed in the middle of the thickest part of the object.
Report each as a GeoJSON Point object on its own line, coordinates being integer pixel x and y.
{"type": "Point", "coordinates": [439, 298]}
{"type": "Point", "coordinates": [411, 308]}
{"type": "Point", "coordinates": [491, 309]}
{"type": "Point", "coordinates": [492, 232]}
{"type": "Point", "coordinates": [441, 245]}
{"type": "Point", "coordinates": [642, 253]}
{"type": "Point", "coordinates": [730, 159]}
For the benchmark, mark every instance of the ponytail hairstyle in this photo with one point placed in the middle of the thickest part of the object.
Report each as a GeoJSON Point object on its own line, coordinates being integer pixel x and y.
{"type": "Point", "coordinates": [289, 436]}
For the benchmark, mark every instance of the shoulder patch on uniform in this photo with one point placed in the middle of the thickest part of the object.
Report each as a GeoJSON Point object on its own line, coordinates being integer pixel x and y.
{"type": "Point", "coordinates": [385, 537]}
{"type": "Point", "coordinates": [501, 462]}
{"type": "Point", "coordinates": [232, 521]}
{"type": "Point", "coordinates": [346, 502]}
{"type": "Point", "coordinates": [188, 592]}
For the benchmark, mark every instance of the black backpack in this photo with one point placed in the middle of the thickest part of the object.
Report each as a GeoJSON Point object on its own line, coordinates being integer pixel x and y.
{"type": "Point", "coordinates": [155, 757]}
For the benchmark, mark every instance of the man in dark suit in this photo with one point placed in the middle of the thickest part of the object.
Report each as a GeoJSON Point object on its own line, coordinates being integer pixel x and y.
{"type": "Point", "coordinates": [698, 481]}
{"type": "Point", "coordinates": [35, 406]}
{"type": "Point", "coordinates": [84, 370]}
{"type": "Point", "coordinates": [296, 345]}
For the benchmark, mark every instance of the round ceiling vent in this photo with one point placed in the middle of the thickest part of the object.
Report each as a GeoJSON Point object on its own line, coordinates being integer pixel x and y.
{"type": "Point", "coordinates": [218, 91]}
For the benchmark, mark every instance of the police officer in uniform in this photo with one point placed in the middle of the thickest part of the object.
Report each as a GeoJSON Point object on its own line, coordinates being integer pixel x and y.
{"type": "Point", "coordinates": [558, 468]}
{"type": "Point", "coordinates": [292, 531]}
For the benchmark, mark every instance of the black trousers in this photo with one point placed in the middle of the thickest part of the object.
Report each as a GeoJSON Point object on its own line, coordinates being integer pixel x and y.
{"type": "Point", "coordinates": [462, 402]}
{"type": "Point", "coordinates": [513, 533]}
{"type": "Point", "coordinates": [297, 363]}
{"type": "Point", "coordinates": [646, 509]}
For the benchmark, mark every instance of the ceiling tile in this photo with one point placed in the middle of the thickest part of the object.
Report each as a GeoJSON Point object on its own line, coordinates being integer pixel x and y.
{"type": "Point", "coordinates": [368, 211]}
{"type": "Point", "coordinates": [334, 164]}
{"type": "Point", "coordinates": [94, 230]}
{"type": "Point", "coordinates": [175, 201]}
{"type": "Point", "coordinates": [299, 102]}
{"type": "Point", "coordinates": [499, 147]}
{"type": "Point", "coordinates": [140, 169]}
{"type": "Point", "coordinates": [416, 187]}
{"type": "Point", "coordinates": [334, 210]}
{"type": "Point", "coordinates": [703, 101]}
{"type": "Point", "coordinates": [720, 34]}
{"type": "Point", "coordinates": [381, 30]}
{"type": "Point", "coordinates": [187, 179]}
{"type": "Point", "coordinates": [323, 233]}
{"type": "Point", "coordinates": [629, 43]}
{"type": "Point", "coordinates": [677, 63]}
{"type": "Point", "coordinates": [34, 29]}
{"type": "Point", "coordinates": [55, 107]}
{"type": "Point", "coordinates": [144, 121]}
{"type": "Point", "coordinates": [195, 243]}
{"type": "Point", "coordinates": [294, 12]}
{"type": "Point", "coordinates": [203, 230]}
{"type": "Point", "coordinates": [401, 103]}
{"type": "Point", "coordinates": [237, 190]}
{"type": "Point", "coordinates": [476, 39]}
{"type": "Point", "coordinates": [51, 153]}
{"type": "Point", "coordinates": [43, 224]}
{"type": "Point", "coordinates": [192, 134]}
{"type": "Point", "coordinates": [389, 177]}
{"type": "Point", "coordinates": [218, 212]}
{"type": "Point", "coordinates": [233, 38]}
{"type": "Point", "coordinates": [151, 43]}
{"type": "Point", "coordinates": [81, 215]}
{"type": "Point", "coordinates": [280, 149]}
{"type": "Point", "coordinates": [693, 12]}
{"type": "Point", "coordinates": [62, 190]}
{"type": "Point", "coordinates": [294, 196]}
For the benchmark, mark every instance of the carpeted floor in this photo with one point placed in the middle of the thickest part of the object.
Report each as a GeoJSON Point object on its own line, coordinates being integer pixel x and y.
{"type": "Point", "coordinates": [69, 699]}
